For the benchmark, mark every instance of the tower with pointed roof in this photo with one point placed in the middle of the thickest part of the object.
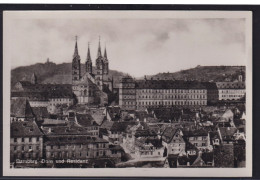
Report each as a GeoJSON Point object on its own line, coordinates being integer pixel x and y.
{"type": "Point", "coordinates": [88, 62]}
{"type": "Point", "coordinates": [99, 68]}
{"type": "Point", "coordinates": [76, 64]}
{"type": "Point", "coordinates": [106, 68]}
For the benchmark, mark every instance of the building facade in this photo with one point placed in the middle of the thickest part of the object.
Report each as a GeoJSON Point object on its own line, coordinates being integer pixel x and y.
{"type": "Point", "coordinates": [89, 87]}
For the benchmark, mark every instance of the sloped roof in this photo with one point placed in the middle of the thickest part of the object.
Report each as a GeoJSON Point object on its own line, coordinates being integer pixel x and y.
{"type": "Point", "coordinates": [40, 112]}
{"type": "Point", "coordinates": [107, 124]}
{"type": "Point", "coordinates": [25, 129]}
{"type": "Point", "coordinates": [20, 107]}
{"type": "Point", "coordinates": [227, 132]}
{"type": "Point", "coordinates": [85, 120]}
{"type": "Point", "coordinates": [169, 84]}
{"type": "Point", "coordinates": [121, 126]}
{"type": "Point", "coordinates": [168, 134]}
{"type": "Point", "coordinates": [197, 132]}
{"type": "Point", "coordinates": [53, 122]}
{"type": "Point", "coordinates": [65, 130]}
{"type": "Point", "coordinates": [230, 85]}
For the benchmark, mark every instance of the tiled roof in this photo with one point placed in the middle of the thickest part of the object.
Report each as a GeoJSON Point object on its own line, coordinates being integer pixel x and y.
{"type": "Point", "coordinates": [41, 91]}
{"type": "Point", "coordinates": [53, 122]}
{"type": "Point", "coordinates": [25, 129]}
{"type": "Point", "coordinates": [168, 134]}
{"type": "Point", "coordinates": [107, 125]}
{"type": "Point", "coordinates": [198, 132]}
{"type": "Point", "coordinates": [20, 107]}
{"type": "Point", "coordinates": [230, 85]}
{"type": "Point", "coordinates": [121, 126]}
{"type": "Point", "coordinates": [85, 120]}
{"type": "Point", "coordinates": [169, 84]}
{"type": "Point", "coordinates": [65, 130]}
{"type": "Point", "coordinates": [40, 112]}
{"type": "Point", "coordinates": [227, 132]}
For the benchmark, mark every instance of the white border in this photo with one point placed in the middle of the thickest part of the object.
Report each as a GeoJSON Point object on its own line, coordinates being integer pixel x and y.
{"type": "Point", "coordinates": [151, 172]}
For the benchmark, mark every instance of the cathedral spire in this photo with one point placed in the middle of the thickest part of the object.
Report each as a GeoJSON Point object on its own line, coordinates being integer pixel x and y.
{"type": "Point", "coordinates": [88, 55]}
{"type": "Point", "coordinates": [105, 53]}
{"type": "Point", "coordinates": [99, 49]}
{"type": "Point", "coordinates": [76, 52]}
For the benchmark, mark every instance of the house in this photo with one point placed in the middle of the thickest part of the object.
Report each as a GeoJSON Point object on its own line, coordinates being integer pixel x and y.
{"type": "Point", "coordinates": [118, 130]}
{"type": "Point", "coordinates": [87, 121]}
{"type": "Point", "coordinates": [199, 138]}
{"type": "Point", "coordinates": [21, 110]}
{"type": "Point", "coordinates": [173, 140]}
{"type": "Point", "coordinates": [227, 134]}
{"type": "Point", "coordinates": [26, 142]}
{"type": "Point", "coordinates": [145, 148]}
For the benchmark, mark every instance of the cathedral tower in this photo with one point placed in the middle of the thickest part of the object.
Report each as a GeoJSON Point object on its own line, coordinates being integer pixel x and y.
{"type": "Point", "coordinates": [88, 62]}
{"type": "Point", "coordinates": [76, 64]}
{"type": "Point", "coordinates": [99, 68]}
{"type": "Point", "coordinates": [106, 67]}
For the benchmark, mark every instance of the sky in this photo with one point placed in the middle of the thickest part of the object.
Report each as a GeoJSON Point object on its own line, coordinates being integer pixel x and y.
{"type": "Point", "coordinates": [135, 46]}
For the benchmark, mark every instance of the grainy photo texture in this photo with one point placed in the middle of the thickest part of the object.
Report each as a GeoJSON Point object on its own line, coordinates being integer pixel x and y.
{"type": "Point", "coordinates": [119, 90]}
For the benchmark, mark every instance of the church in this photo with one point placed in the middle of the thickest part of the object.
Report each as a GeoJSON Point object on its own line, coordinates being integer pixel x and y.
{"type": "Point", "coordinates": [91, 87]}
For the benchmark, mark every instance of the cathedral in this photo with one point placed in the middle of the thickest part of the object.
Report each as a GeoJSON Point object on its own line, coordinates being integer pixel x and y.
{"type": "Point", "coordinates": [91, 87]}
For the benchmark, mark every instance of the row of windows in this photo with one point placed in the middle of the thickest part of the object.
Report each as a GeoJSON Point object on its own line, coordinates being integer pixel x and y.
{"type": "Point", "coordinates": [198, 138]}
{"type": "Point", "coordinates": [73, 154]}
{"type": "Point", "coordinates": [172, 91]}
{"type": "Point", "coordinates": [172, 103]}
{"type": "Point", "coordinates": [26, 139]}
{"type": "Point", "coordinates": [23, 148]}
{"type": "Point", "coordinates": [62, 99]}
{"type": "Point", "coordinates": [175, 97]}
{"type": "Point", "coordinates": [197, 144]}
{"type": "Point", "coordinates": [79, 146]}
{"type": "Point", "coordinates": [26, 155]}
{"type": "Point", "coordinates": [232, 96]}
{"type": "Point", "coordinates": [232, 91]}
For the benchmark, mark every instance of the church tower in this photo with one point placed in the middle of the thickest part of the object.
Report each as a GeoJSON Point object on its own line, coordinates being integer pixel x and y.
{"type": "Point", "coordinates": [106, 68]}
{"type": "Point", "coordinates": [88, 62]}
{"type": "Point", "coordinates": [34, 79]}
{"type": "Point", "coordinates": [76, 64]}
{"type": "Point", "coordinates": [99, 68]}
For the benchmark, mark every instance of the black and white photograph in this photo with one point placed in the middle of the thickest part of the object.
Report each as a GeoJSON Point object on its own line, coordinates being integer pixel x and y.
{"type": "Point", "coordinates": [127, 92]}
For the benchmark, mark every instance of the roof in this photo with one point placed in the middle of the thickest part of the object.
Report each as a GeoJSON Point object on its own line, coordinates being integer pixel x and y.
{"type": "Point", "coordinates": [230, 85]}
{"type": "Point", "coordinates": [169, 84]}
{"type": "Point", "coordinates": [40, 112]}
{"type": "Point", "coordinates": [114, 112]}
{"type": "Point", "coordinates": [168, 133]}
{"type": "Point", "coordinates": [198, 132]}
{"type": "Point", "coordinates": [25, 129]}
{"type": "Point", "coordinates": [64, 140]}
{"type": "Point", "coordinates": [20, 107]}
{"type": "Point", "coordinates": [121, 126]}
{"type": "Point", "coordinates": [41, 91]}
{"type": "Point", "coordinates": [53, 122]}
{"type": "Point", "coordinates": [85, 120]}
{"type": "Point", "coordinates": [65, 130]}
{"type": "Point", "coordinates": [227, 132]}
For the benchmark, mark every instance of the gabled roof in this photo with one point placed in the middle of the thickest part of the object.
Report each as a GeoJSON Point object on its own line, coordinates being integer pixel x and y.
{"type": "Point", "coordinates": [53, 122]}
{"type": "Point", "coordinates": [121, 126]}
{"type": "Point", "coordinates": [25, 129]}
{"type": "Point", "coordinates": [85, 120]}
{"type": "Point", "coordinates": [40, 112]}
{"type": "Point", "coordinates": [168, 134]}
{"type": "Point", "coordinates": [20, 107]}
{"type": "Point", "coordinates": [227, 132]}
{"type": "Point", "coordinates": [65, 130]}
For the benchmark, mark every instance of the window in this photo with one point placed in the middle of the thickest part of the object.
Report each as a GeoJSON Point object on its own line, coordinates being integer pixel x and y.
{"type": "Point", "coordinates": [51, 146]}
{"type": "Point", "coordinates": [14, 148]}
{"type": "Point", "coordinates": [23, 148]}
{"type": "Point", "coordinates": [15, 139]}
{"type": "Point", "coordinates": [30, 147]}
{"type": "Point", "coordinates": [30, 139]}
{"type": "Point", "coordinates": [22, 139]}
{"type": "Point", "coordinates": [37, 147]}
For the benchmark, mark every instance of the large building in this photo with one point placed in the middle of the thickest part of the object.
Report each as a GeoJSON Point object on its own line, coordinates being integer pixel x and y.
{"type": "Point", "coordinates": [90, 87]}
{"type": "Point", "coordinates": [142, 94]}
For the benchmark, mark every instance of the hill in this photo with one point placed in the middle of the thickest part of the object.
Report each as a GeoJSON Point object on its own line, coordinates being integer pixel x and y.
{"type": "Point", "coordinates": [61, 73]}
{"type": "Point", "coordinates": [204, 73]}
{"type": "Point", "coordinates": [53, 73]}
